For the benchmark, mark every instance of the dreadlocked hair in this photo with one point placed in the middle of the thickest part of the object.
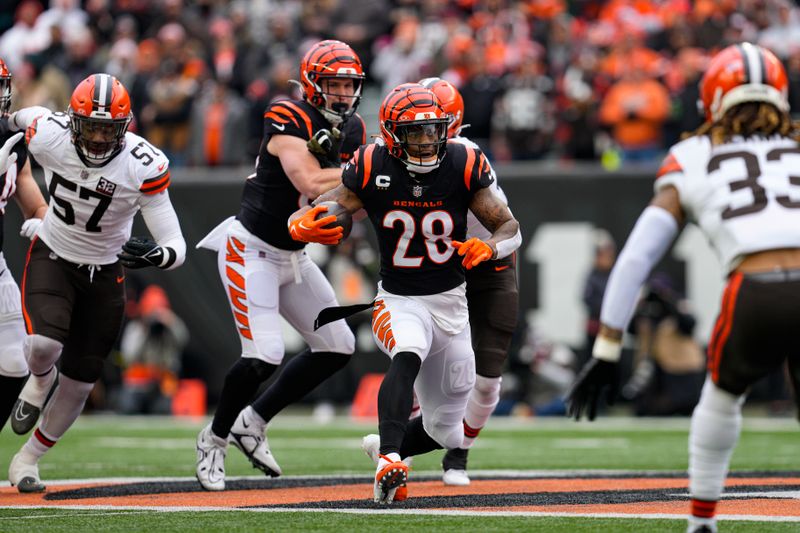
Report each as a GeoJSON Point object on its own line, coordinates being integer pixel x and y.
{"type": "Point", "coordinates": [746, 120]}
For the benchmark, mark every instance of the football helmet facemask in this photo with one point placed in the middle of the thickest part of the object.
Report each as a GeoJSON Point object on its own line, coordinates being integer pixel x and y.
{"type": "Point", "coordinates": [743, 73]}
{"type": "Point", "coordinates": [5, 88]}
{"type": "Point", "coordinates": [414, 127]}
{"type": "Point", "coordinates": [451, 101]}
{"type": "Point", "coordinates": [331, 77]}
{"type": "Point", "coordinates": [99, 115]}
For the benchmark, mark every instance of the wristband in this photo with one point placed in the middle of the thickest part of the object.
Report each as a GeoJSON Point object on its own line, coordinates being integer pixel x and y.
{"type": "Point", "coordinates": [606, 349]}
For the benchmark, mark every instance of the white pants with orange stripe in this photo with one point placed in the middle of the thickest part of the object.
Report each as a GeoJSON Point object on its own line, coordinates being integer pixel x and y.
{"type": "Point", "coordinates": [419, 324]}
{"type": "Point", "coordinates": [264, 283]}
{"type": "Point", "coordinates": [12, 327]}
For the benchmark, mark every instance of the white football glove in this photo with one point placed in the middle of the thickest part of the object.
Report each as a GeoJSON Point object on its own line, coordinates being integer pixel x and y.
{"type": "Point", "coordinates": [30, 227]}
{"type": "Point", "coordinates": [7, 158]}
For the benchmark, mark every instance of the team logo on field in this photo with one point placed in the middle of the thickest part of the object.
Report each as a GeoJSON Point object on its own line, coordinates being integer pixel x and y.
{"type": "Point", "coordinates": [106, 187]}
{"type": "Point", "coordinates": [416, 190]}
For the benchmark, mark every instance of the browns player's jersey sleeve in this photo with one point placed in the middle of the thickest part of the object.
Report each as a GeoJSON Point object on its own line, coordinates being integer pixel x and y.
{"type": "Point", "coordinates": [287, 117]}
{"type": "Point", "coordinates": [153, 170]}
{"type": "Point", "coordinates": [684, 168]}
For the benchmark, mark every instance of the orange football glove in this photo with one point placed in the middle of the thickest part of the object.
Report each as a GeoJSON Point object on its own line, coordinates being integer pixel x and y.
{"type": "Point", "coordinates": [305, 229]}
{"type": "Point", "coordinates": [475, 251]}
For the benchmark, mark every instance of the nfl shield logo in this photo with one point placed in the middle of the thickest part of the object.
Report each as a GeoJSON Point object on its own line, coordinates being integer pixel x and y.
{"type": "Point", "coordinates": [416, 190]}
{"type": "Point", "coordinates": [84, 174]}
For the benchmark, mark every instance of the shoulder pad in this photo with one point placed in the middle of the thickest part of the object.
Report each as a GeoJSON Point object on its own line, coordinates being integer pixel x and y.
{"type": "Point", "coordinates": [149, 164]}
{"type": "Point", "coordinates": [685, 155]}
{"type": "Point", "coordinates": [287, 117]}
{"type": "Point", "coordinates": [46, 129]}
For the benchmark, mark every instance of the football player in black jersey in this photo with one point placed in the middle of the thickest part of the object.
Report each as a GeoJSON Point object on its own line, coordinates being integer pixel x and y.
{"type": "Point", "coordinates": [267, 274]}
{"type": "Point", "coordinates": [15, 180]}
{"type": "Point", "coordinates": [493, 306]}
{"type": "Point", "coordinates": [416, 189]}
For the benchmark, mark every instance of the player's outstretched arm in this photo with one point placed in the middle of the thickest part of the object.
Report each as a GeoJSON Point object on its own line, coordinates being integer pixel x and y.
{"type": "Point", "coordinates": [497, 218]}
{"type": "Point", "coordinates": [654, 232]}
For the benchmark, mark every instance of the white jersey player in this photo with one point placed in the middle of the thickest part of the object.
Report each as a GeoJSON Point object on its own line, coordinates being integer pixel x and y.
{"type": "Point", "coordinates": [73, 295]}
{"type": "Point", "coordinates": [735, 178]}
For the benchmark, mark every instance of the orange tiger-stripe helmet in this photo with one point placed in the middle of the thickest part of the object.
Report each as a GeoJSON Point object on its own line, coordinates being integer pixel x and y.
{"type": "Point", "coordinates": [414, 127]}
{"type": "Point", "coordinates": [99, 115]}
{"type": "Point", "coordinates": [331, 59]}
{"type": "Point", "coordinates": [743, 73]}
{"type": "Point", "coordinates": [451, 100]}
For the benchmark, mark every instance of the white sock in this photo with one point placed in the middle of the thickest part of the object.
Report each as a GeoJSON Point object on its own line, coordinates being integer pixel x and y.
{"type": "Point", "coordinates": [36, 446]}
{"type": "Point", "coordinates": [481, 403]}
{"type": "Point", "coordinates": [64, 407]}
{"type": "Point", "coordinates": [37, 387]}
{"type": "Point", "coordinates": [716, 423]}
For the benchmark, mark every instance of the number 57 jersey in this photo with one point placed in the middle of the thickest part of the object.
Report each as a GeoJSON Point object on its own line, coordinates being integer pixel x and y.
{"type": "Point", "coordinates": [91, 209]}
{"type": "Point", "coordinates": [416, 217]}
{"type": "Point", "coordinates": [744, 194]}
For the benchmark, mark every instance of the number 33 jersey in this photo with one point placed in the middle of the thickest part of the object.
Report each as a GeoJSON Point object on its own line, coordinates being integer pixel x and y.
{"type": "Point", "coordinates": [744, 194]}
{"type": "Point", "coordinates": [91, 209]}
{"type": "Point", "coordinates": [416, 218]}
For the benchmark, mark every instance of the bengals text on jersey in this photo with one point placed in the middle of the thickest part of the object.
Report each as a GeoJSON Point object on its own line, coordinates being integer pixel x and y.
{"type": "Point", "coordinates": [269, 197]}
{"type": "Point", "coordinates": [417, 218]}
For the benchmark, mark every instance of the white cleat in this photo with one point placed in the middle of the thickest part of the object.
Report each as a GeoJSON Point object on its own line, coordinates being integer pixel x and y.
{"type": "Point", "coordinates": [23, 473]}
{"type": "Point", "coordinates": [249, 435]}
{"type": "Point", "coordinates": [371, 444]}
{"type": "Point", "coordinates": [390, 478]}
{"type": "Point", "coordinates": [211, 451]}
{"type": "Point", "coordinates": [31, 401]}
{"type": "Point", "coordinates": [456, 478]}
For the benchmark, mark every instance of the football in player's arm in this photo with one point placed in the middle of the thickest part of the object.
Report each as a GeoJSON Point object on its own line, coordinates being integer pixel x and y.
{"type": "Point", "coordinates": [99, 176]}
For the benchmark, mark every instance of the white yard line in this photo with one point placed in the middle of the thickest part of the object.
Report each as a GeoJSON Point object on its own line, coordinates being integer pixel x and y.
{"type": "Point", "coordinates": [423, 512]}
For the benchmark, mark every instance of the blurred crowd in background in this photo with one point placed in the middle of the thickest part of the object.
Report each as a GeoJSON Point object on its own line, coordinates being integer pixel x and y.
{"type": "Point", "coordinates": [541, 79]}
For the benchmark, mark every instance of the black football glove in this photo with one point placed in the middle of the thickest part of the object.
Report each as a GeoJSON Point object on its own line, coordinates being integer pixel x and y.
{"type": "Point", "coordinates": [326, 145]}
{"type": "Point", "coordinates": [584, 394]}
{"type": "Point", "coordinates": [140, 252]}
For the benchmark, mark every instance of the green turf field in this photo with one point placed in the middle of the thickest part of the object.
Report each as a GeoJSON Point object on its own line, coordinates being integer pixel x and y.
{"type": "Point", "coordinates": [100, 447]}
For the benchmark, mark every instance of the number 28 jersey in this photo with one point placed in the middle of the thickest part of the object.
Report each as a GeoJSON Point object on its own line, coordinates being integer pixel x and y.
{"type": "Point", "coordinates": [91, 209]}
{"type": "Point", "coordinates": [744, 194]}
{"type": "Point", "coordinates": [416, 219]}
